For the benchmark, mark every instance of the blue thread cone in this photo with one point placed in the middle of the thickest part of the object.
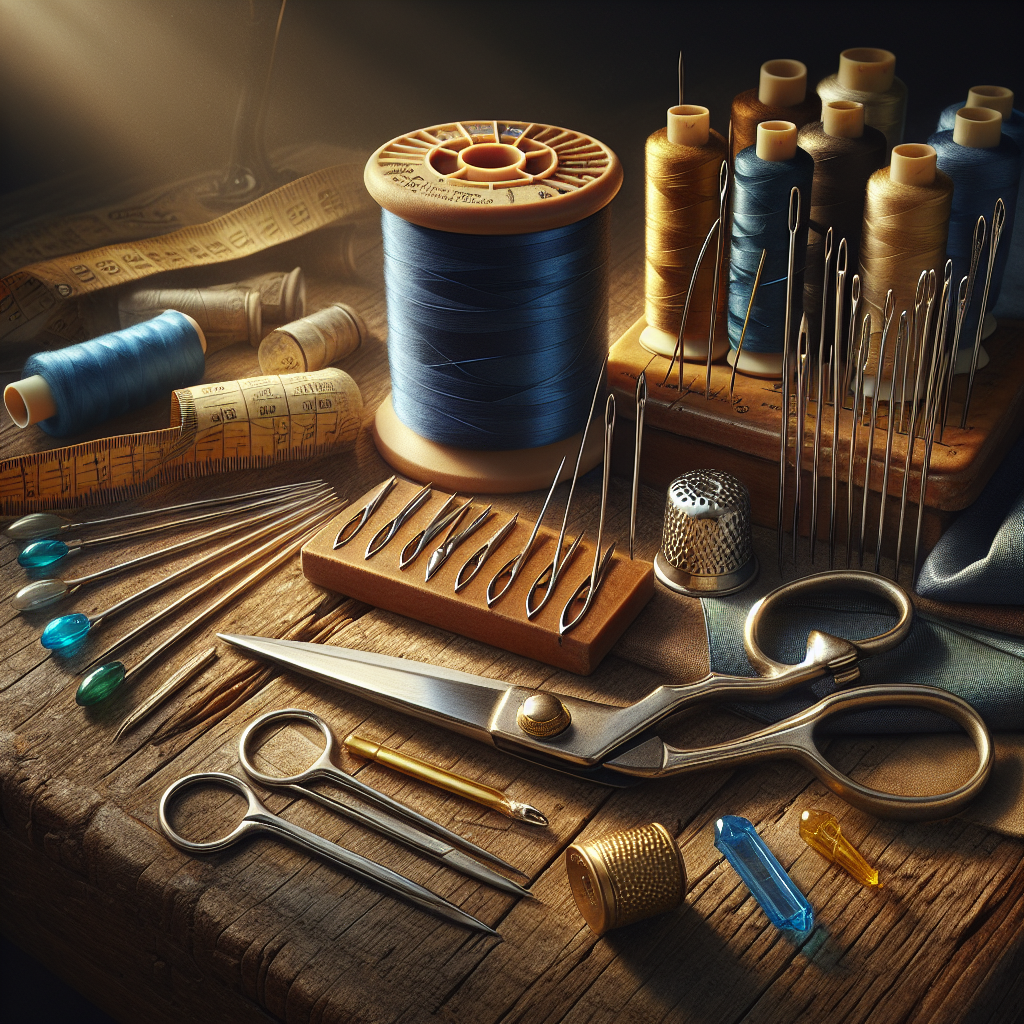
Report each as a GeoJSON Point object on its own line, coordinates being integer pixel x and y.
{"type": "Point", "coordinates": [41, 553]}
{"type": "Point", "coordinates": [778, 897]}
{"type": "Point", "coordinates": [64, 631]}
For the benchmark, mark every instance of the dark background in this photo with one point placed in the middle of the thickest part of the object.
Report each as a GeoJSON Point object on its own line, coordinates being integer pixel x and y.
{"type": "Point", "coordinates": [128, 88]}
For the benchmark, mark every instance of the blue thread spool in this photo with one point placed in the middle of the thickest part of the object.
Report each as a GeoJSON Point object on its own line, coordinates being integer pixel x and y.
{"type": "Point", "coordinates": [985, 165]}
{"type": "Point", "coordinates": [68, 390]}
{"type": "Point", "coordinates": [1011, 297]}
{"type": "Point", "coordinates": [495, 265]}
{"type": "Point", "coordinates": [763, 176]}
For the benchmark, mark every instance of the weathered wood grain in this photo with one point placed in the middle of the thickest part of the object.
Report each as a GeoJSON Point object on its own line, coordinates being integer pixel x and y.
{"type": "Point", "coordinates": [263, 932]}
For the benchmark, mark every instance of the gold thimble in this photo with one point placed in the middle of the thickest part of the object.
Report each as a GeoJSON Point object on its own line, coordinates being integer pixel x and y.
{"type": "Point", "coordinates": [626, 876]}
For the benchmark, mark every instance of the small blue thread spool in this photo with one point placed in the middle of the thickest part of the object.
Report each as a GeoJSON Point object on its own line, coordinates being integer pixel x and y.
{"type": "Point", "coordinates": [760, 220]}
{"type": "Point", "coordinates": [995, 97]}
{"type": "Point", "coordinates": [68, 390]}
{"type": "Point", "coordinates": [985, 165]}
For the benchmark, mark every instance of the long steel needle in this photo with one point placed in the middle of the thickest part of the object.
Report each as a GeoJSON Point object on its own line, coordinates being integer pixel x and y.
{"type": "Point", "coordinates": [875, 400]}
{"type": "Point", "coordinates": [218, 577]}
{"type": "Point", "coordinates": [42, 553]}
{"type": "Point", "coordinates": [802, 386]}
{"type": "Point", "coordinates": [860, 370]}
{"type": "Point", "coordinates": [915, 400]}
{"type": "Point", "coordinates": [998, 221]}
{"type": "Point", "coordinates": [746, 320]}
{"type": "Point", "coordinates": [835, 362]}
{"type": "Point", "coordinates": [587, 590]}
{"type": "Point", "coordinates": [641, 404]}
{"type": "Point", "coordinates": [509, 572]}
{"type": "Point", "coordinates": [47, 524]}
{"type": "Point", "coordinates": [902, 341]}
{"type": "Point", "coordinates": [821, 395]}
{"type": "Point", "coordinates": [42, 593]}
{"type": "Point", "coordinates": [551, 573]}
{"type": "Point", "coordinates": [69, 630]}
{"type": "Point", "coordinates": [102, 681]}
{"type": "Point", "coordinates": [794, 222]}
{"type": "Point", "coordinates": [723, 198]}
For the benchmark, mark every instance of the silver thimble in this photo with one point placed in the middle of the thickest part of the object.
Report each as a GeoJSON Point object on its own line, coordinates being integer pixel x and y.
{"type": "Point", "coordinates": [706, 546]}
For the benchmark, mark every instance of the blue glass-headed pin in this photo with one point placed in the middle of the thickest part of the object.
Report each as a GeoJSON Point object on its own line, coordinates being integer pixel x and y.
{"type": "Point", "coordinates": [774, 890]}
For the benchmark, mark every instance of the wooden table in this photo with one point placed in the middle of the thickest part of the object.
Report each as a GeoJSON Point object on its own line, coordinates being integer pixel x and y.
{"type": "Point", "coordinates": [265, 933]}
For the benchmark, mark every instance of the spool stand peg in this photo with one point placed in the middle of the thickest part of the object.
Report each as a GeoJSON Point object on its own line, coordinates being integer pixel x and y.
{"type": "Point", "coordinates": [492, 361]}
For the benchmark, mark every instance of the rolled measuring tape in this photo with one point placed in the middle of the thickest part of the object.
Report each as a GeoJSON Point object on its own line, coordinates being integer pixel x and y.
{"type": "Point", "coordinates": [496, 272]}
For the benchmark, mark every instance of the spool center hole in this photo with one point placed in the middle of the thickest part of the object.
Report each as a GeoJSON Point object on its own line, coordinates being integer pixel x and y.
{"type": "Point", "coordinates": [492, 156]}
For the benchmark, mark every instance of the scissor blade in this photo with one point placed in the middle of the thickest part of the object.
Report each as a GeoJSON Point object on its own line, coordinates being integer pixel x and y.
{"type": "Point", "coordinates": [456, 700]}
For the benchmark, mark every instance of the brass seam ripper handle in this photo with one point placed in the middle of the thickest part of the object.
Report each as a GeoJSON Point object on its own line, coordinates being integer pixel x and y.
{"type": "Point", "coordinates": [452, 782]}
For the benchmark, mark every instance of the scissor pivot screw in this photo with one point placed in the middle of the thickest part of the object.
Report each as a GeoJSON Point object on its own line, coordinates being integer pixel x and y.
{"type": "Point", "coordinates": [543, 714]}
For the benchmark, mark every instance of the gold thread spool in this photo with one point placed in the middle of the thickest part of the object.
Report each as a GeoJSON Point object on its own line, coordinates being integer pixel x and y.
{"type": "Point", "coordinates": [626, 876]}
{"type": "Point", "coordinates": [749, 109]}
{"type": "Point", "coordinates": [904, 233]}
{"type": "Point", "coordinates": [681, 205]}
{"type": "Point", "coordinates": [313, 342]}
{"type": "Point", "coordinates": [226, 315]}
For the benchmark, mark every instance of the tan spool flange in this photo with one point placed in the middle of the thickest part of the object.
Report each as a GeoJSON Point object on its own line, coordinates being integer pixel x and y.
{"type": "Point", "coordinates": [487, 177]}
{"type": "Point", "coordinates": [527, 469]}
{"type": "Point", "coordinates": [493, 177]}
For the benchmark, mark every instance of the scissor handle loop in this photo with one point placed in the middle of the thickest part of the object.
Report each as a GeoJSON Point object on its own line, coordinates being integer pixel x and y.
{"type": "Point", "coordinates": [325, 762]}
{"type": "Point", "coordinates": [870, 582]}
{"type": "Point", "coordinates": [244, 827]}
{"type": "Point", "coordinates": [892, 805]}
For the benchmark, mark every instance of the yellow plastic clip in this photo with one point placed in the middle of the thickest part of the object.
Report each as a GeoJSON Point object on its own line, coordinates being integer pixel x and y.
{"type": "Point", "coordinates": [821, 832]}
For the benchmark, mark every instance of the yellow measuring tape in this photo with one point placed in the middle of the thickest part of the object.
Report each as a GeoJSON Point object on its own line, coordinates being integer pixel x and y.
{"type": "Point", "coordinates": [40, 297]}
{"type": "Point", "coordinates": [239, 424]}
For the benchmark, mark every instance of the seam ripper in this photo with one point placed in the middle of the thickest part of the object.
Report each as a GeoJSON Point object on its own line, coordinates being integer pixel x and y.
{"type": "Point", "coordinates": [443, 779]}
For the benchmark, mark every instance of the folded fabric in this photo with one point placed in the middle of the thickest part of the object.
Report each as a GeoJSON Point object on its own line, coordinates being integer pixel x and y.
{"type": "Point", "coordinates": [980, 558]}
{"type": "Point", "coordinates": [984, 668]}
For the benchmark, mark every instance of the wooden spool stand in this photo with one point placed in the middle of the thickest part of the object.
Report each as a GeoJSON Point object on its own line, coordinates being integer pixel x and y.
{"type": "Point", "coordinates": [683, 431]}
{"type": "Point", "coordinates": [628, 585]}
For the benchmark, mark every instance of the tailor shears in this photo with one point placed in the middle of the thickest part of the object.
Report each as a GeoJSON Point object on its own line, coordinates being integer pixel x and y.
{"type": "Point", "coordinates": [616, 745]}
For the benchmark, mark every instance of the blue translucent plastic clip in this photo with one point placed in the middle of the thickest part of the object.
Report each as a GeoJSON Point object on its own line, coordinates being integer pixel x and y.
{"type": "Point", "coordinates": [766, 878]}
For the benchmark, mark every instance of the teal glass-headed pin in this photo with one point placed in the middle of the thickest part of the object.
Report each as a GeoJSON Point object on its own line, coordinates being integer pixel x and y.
{"type": "Point", "coordinates": [777, 895]}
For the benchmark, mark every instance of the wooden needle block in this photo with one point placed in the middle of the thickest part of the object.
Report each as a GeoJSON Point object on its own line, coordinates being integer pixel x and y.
{"type": "Point", "coordinates": [740, 433]}
{"type": "Point", "coordinates": [627, 587]}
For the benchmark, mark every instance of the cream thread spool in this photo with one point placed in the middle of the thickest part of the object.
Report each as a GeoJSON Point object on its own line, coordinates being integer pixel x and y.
{"type": "Point", "coordinates": [906, 222]}
{"type": "Point", "coordinates": [282, 295]}
{"type": "Point", "coordinates": [313, 342]}
{"type": "Point", "coordinates": [626, 876]}
{"type": "Point", "coordinates": [227, 316]}
{"type": "Point", "coordinates": [868, 75]}
{"type": "Point", "coordinates": [682, 172]}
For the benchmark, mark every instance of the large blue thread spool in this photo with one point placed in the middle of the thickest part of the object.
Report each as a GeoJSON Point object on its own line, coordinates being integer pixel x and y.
{"type": "Point", "coordinates": [68, 390]}
{"type": "Point", "coordinates": [1009, 301]}
{"type": "Point", "coordinates": [495, 262]}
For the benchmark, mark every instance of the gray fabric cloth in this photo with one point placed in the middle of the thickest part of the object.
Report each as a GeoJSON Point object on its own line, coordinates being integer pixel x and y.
{"type": "Point", "coordinates": [984, 668]}
{"type": "Point", "coordinates": [980, 558]}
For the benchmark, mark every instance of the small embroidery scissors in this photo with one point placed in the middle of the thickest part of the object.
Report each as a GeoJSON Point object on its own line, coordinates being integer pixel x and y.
{"type": "Point", "coordinates": [615, 745]}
